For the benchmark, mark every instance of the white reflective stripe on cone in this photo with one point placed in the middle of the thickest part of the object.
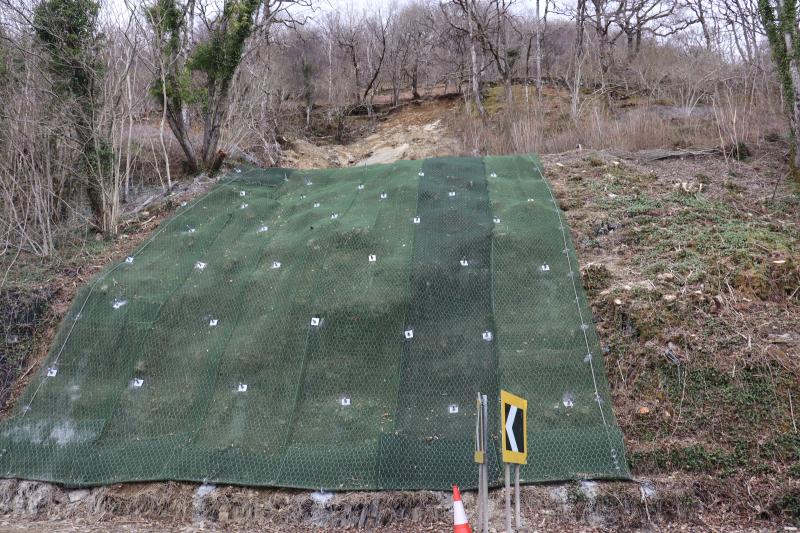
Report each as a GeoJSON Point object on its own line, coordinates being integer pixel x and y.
{"type": "Point", "coordinates": [460, 524]}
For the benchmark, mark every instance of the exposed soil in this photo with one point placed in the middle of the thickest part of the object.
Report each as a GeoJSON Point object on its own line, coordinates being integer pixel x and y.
{"type": "Point", "coordinates": [692, 268]}
{"type": "Point", "coordinates": [415, 130]}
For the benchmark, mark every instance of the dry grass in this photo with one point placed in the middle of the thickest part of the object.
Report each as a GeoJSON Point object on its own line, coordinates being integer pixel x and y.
{"type": "Point", "coordinates": [695, 295]}
{"type": "Point", "coordinates": [545, 125]}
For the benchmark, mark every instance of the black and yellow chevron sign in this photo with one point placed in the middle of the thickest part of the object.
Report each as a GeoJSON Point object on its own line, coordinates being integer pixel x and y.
{"type": "Point", "coordinates": [513, 410]}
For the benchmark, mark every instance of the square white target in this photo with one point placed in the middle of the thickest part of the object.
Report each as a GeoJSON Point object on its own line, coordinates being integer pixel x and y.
{"type": "Point", "coordinates": [545, 268]}
{"type": "Point", "coordinates": [372, 258]}
{"type": "Point", "coordinates": [464, 262]}
{"type": "Point", "coordinates": [129, 259]}
{"type": "Point", "coordinates": [213, 323]}
{"type": "Point", "coordinates": [408, 334]}
{"type": "Point", "coordinates": [51, 372]}
{"type": "Point", "coordinates": [315, 320]}
{"type": "Point", "coordinates": [416, 220]}
{"type": "Point", "coordinates": [451, 194]}
{"type": "Point", "coordinates": [137, 382]}
{"type": "Point", "coordinates": [242, 387]}
{"type": "Point", "coordinates": [276, 264]}
{"type": "Point", "coordinates": [345, 401]}
{"type": "Point", "coordinates": [452, 408]}
{"type": "Point", "coordinates": [384, 196]}
{"type": "Point", "coordinates": [487, 335]}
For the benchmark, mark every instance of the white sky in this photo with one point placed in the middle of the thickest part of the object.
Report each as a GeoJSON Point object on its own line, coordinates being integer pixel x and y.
{"type": "Point", "coordinates": [118, 6]}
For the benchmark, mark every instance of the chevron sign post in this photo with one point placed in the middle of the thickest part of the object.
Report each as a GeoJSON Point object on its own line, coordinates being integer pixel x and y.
{"type": "Point", "coordinates": [513, 411]}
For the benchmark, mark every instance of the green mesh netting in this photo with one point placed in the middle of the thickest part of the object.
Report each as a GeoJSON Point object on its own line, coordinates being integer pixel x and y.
{"type": "Point", "coordinates": [329, 329]}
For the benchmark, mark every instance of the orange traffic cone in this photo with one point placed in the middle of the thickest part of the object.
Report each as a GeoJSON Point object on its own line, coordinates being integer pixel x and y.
{"type": "Point", "coordinates": [460, 524]}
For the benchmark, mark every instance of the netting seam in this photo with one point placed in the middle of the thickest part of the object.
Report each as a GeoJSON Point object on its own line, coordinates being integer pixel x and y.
{"type": "Point", "coordinates": [405, 316]}
{"type": "Point", "coordinates": [223, 350]}
{"type": "Point", "coordinates": [178, 286]}
{"type": "Point", "coordinates": [304, 366]}
{"type": "Point", "coordinates": [496, 347]}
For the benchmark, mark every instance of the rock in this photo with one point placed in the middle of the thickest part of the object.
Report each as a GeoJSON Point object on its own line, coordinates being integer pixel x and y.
{"type": "Point", "coordinates": [688, 187]}
{"type": "Point", "coordinates": [670, 297]}
{"type": "Point", "coordinates": [617, 301]}
{"type": "Point", "coordinates": [665, 276]}
{"type": "Point", "coordinates": [77, 495]}
{"type": "Point", "coordinates": [386, 155]}
{"type": "Point", "coordinates": [643, 411]}
{"type": "Point", "coordinates": [782, 338]}
{"type": "Point", "coordinates": [432, 126]}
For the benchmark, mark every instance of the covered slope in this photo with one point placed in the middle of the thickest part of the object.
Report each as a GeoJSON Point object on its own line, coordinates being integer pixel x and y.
{"type": "Point", "coordinates": [328, 329]}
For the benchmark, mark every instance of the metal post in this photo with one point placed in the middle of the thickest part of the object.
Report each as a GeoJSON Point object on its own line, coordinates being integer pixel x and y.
{"type": "Point", "coordinates": [479, 444]}
{"type": "Point", "coordinates": [485, 465]}
{"type": "Point", "coordinates": [508, 498]}
{"type": "Point", "coordinates": [480, 494]}
{"type": "Point", "coordinates": [516, 498]}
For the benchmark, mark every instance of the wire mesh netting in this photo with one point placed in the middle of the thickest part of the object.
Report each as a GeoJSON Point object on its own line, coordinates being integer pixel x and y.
{"type": "Point", "coordinates": [329, 329]}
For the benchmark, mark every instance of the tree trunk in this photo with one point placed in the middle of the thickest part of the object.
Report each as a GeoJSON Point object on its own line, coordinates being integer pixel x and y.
{"type": "Point", "coordinates": [580, 14]}
{"type": "Point", "coordinates": [476, 71]}
{"type": "Point", "coordinates": [212, 130]}
{"type": "Point", "coordinates": [178, 127]}
{"type": "Point", "coordinates": [415, 83]}
{"type": "Point", "coordinates": [794, 72]}
{"type": "Point", "coordinates": [780, 22]}
{"type": "Point", "coordinates": [539, 41]}
{"type": "Point", "coordinates": [93, 166]}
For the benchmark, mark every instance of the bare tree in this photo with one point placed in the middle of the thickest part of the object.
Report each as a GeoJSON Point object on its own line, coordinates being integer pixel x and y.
{"type": "Point", "coordinates": [703, 13]}
{"type": "Point", "coordinates": [467, 9]}
{"type": "Point", "coordinates": [540, 28]}
{"type": "Point", "coordinates": [68, 136]}
{"type": "Point", "coordinates": [577, 55]}
{"type": "Point", "coordinates": [376, 53]}
{"type": "Point", "coordinates": [215, 58]}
